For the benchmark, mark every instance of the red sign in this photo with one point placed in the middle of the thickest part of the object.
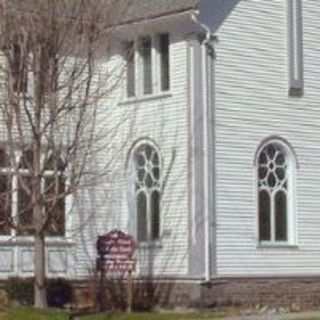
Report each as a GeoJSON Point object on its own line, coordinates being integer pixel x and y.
{"type": "Point", "coordinates": [116, 242]}
{"type": "Point", "coordinates": [115, 250]}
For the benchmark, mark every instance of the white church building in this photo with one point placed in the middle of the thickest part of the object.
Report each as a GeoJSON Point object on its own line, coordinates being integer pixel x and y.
{"type": "Point", "coordinates": [218, 178]}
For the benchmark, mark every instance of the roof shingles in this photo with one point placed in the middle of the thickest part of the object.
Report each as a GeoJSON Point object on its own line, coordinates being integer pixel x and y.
{"type": "Point", "coordinates": [146, 9]}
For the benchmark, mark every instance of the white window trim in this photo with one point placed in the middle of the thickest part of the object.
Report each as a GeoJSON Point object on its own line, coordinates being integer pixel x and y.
{"type": "Point", "coordinates": [292, 238]}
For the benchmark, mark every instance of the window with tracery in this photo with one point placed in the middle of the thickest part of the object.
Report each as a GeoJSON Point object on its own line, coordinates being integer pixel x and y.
{"type": "Point", "coordinates": [147, 182]}
{"type": "Point", "coordinates": [274, 188]}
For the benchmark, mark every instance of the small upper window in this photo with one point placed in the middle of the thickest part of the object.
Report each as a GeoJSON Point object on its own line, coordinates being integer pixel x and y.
{"type": "Point", "coordinates": [148, 67]}
{"type": "Point", "coordinates": [275, 187]}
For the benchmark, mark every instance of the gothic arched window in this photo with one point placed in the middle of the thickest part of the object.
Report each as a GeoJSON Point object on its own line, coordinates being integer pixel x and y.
{"type": "Point", "coordinates": [275, 192]}
{"type": "Point", "coordinates": [147, 191]}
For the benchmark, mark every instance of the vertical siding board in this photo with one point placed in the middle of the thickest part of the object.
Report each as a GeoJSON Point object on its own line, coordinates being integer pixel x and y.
{"type": "Point", "coordinates": [196, 217]}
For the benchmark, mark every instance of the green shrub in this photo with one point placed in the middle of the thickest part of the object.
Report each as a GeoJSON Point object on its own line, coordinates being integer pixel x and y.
{"type": "Point", "coordinates": [20, 290]}
{"type": "Point", "coordinates": [59, 291]}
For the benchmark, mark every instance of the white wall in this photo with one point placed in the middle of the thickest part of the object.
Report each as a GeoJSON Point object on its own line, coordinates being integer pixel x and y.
{"type": "Point", "coordinates": [164, 119]}
{"type": "Point", "coordinates": [251, 104]}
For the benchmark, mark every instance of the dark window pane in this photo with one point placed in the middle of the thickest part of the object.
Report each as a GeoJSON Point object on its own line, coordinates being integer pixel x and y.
{"type": "Point", "coordinates": [49, 73]}
{"type": "Point", "coordinates": [155, 215]}
{"type": "Point", "coordinates": [19, 70]}
{"type": "Point", "coordinates": [156, 173]}
{"type": "Point", "coordinates": [131, 81]}
{"type": "Point", "coordinates": [263, 172]}
{"type": "Point", "coordinates": [281, 216]}
{"type": "Point", "coordinates": [164, 61]}
{"type": "Point", "coordinates": [271, 180]}
{"type": "Point", "coordinates": [148, 149]}
{"type": "Point", "coordinates": [141, 175]}
{"type": "Point", "coordinates": [4, 159]}
{"type": "Point", "coordinates": [155, 159]}
{"type": "Point", "coordinates": [281, 173]}
{"type": "Point", "coordinates": [146, 54]}
{"type": "Point", "coordinates": [264, 216]}
{"type": "Point", "coordinates": [5, 204]}
{"type": "Point", "coordinates": [25, 208]}
{"type": "Point", "coordinates": [149, 181]}
{"type": "Point", "coordinates": [142, 232]}
{"type": "Point", "coordinates": [54, 74]}
{"type": "Point", "coordinates": [271, 150]}
{"type": "Point", "coordinates": [140, 159]}
{"type": "Point", "coordinates": [55, 206]}
{"type": "Point", "coordinates": [280, 159]}
{"type": "Point", "coordinates": [54, 163]}
{"type": "Point", "coordinates": [26, 161]}
{"type": "Point", "coordinates": [263, 158]}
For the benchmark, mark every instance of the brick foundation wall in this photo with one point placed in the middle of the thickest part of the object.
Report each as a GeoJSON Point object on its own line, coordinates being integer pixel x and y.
{"type": "Point", "coordinates": [146, 294]}
{"type": "Point", "coordinates": [294, 293]}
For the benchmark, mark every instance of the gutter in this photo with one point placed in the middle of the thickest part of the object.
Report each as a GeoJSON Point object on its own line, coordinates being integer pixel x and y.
{"type": "Point", "coordinates": [208, 33]}
{"type": "Point", "coordinates": [208, 141]}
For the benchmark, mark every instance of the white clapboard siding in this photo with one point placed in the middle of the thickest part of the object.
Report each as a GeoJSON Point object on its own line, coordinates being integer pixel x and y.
{"type": "Point", "coordinates": [252, 103]}
{"type": "Point", "coordinates": [164, 120]}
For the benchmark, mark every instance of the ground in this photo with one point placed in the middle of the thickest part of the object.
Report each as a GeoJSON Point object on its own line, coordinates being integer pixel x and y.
{"type": "Point", "coordinates": [22, 313]}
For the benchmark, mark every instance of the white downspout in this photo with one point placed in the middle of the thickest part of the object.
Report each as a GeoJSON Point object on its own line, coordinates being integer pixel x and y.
{"type": "Point", "coordinates": [206, 114]}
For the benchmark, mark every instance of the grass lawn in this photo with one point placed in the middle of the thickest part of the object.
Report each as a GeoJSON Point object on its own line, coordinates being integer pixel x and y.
{"type": "Point", "coordinates": [21, 313]}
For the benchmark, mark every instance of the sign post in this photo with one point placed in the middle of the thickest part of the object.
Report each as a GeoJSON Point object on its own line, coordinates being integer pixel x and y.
{"type": "Point", "coordinates": [115, 250]}
{"type": "Point", "coordinates": [129, 291]}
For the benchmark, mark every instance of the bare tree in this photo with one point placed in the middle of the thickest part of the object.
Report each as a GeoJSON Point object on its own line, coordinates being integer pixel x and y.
{"type": "Point", "coordinates": [51, 85]}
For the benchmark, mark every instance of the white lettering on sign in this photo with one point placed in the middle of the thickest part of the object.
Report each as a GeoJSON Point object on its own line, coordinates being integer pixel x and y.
{"type": "Point", "coordinates": [115, 250]}
{"type": "Point", "coordinates": [115, 264]}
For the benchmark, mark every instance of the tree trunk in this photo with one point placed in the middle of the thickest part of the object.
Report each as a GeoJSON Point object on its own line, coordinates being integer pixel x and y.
{"type": "Point", "coordinates": [40, 292]}
{"type": "Point", "coordinates": [40, 289]}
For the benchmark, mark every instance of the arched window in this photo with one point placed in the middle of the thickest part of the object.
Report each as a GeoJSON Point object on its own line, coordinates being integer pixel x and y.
{"type": "Point", "coordinates": [147, 191]}
{"type": "Point", "coordinates": [275, 168]}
